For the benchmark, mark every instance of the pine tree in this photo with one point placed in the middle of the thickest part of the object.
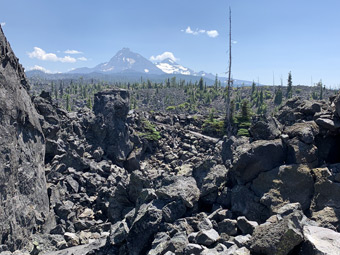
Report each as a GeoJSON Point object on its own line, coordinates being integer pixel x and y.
{"type": "Point", "coordinates": [216, 82]}
{"type": "Point", "coordinates": [261, 97]}
{"type": "Point", "coordinates": [68, 105]}
{"type": "Point", "coordinates": [290, 86]}
{"type": "Point", "coordinates": [89, 103]}
{"type": "Point", "coordinates": [201, 84]}
{"type": "Point", "coordinates": [61, 89]}
{"type": "Point", "coordinates": [321, 90]}
{"type": "Point", "coordinates": [253, 87]}
{"type": "Point", "coordinates": [278, 96]}
{"type": "Point", "coordinates": [245, 112]}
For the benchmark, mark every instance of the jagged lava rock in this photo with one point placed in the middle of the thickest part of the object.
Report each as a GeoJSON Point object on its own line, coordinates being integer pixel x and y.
{"type": "Point", "coordinates": [109, 128]}
{"type": "Point", "coordinates": [23, 193]}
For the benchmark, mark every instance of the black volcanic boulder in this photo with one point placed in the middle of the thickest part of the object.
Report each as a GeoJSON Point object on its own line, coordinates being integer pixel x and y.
{"type": "Point", "coordinates": [337, 104]}
{"type": "Point", "coordinates": [267, 128]}
{"type": "Point", "coordinates": [109, 127]}
{"type": "Point", "coordinates": [23, 193]}
{"type": "Point", "coordinates": [279, 238]}
{"type": "Point", "coordinates": [285, 184]}
{"type": "Point", "coordinates": [248, 160]}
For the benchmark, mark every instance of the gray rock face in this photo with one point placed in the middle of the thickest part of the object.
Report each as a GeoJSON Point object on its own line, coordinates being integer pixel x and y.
{"type": "Point", "coordinates": [278, 238]}
{"type": "Point", "coordinates": [23, 191]}
{"type": "Point", "coordinates": [320, 241]}
{"type": "Point", "coordinates": [275, 187]}
{"type": "Point", "coordinates": [209, 180]}
{"type": "Point", "coordinates": [144, 226]}
{"type": "Point", "coordinates": [326, 195]}
{"type": "Point", "coordinates": [337, 105]}
{"type": "Point", "coordinates": [246, 226]}
{"type": "Point", "coordinates": [179, 188]}
{"type": "Point", "coordinates": [244, 202]}
{"type": "Point", "coordinates": [109, 128]}
{"type": "Point", "coordinates": [267, 129]}
{"type": "Point", "coordinates": [250, 159]}
{"type": "Point", "coordinates": [306, 131]}
{"type": "Point", "coordinates": [207, 237]}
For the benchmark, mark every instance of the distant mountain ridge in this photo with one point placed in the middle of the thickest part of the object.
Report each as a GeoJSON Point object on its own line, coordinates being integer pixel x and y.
{"type": "Point", "coordinates": [124, 61]}
{"type": "Point", "coordinates": [130, 66]}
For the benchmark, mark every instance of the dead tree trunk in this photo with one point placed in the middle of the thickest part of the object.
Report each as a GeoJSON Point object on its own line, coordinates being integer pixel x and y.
{"type": "Point", "coordinates": [229, 87]}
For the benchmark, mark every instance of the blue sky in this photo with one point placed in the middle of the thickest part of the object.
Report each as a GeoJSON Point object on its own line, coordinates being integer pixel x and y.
{"type": "Point", "coordinates": [270, 37]}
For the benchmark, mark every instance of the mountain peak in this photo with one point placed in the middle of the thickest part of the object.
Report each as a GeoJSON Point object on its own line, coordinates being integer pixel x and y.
{"type": "Point", "coordinates": [169, 61]}
{"type": "Point", "coordinates": [125, 50]}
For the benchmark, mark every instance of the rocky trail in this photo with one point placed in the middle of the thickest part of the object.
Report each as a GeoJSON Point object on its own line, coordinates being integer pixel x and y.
{"type": "Point", "coordinates": [94, 182]}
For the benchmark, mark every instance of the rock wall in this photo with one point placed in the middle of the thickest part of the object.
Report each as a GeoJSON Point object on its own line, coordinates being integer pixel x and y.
{"type": "Point", "coordinates": [23, 194]}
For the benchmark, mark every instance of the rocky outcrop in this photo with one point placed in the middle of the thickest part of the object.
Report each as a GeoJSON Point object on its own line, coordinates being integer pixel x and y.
{"type": "Point", "coordinates": [23, 193]}
{"type": "Point", "coordinates": [131, 182]}
{"type": "Point", "coordinates": [109, 128]}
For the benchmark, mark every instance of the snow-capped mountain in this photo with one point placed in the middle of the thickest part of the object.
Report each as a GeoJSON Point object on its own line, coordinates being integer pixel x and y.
{"type": "Point", "coordinates": [171, 67]}
{"type": "Point", "coordinates": [124, 61]}
{"type": "Point", "coordinates": [129, 64]}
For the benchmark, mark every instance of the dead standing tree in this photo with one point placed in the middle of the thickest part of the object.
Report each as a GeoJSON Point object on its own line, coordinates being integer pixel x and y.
{"type": "Point", "coordinates": [228, 121]}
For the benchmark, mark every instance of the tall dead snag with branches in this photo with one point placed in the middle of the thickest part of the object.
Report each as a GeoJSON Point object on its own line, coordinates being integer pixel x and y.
{"type": "Point", "coordinates": [228, 121]}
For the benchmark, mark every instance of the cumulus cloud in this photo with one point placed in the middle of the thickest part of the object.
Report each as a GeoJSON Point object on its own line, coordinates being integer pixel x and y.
{"type": "Point", "coordinates": [39, 68]}
{"type": "Point", "coordinates": [82, 59]}
{"type": "Point", "coordinates": [73, 52]}
{"type": "Point", "coordinates": [3, 24]}
{"type": "Point", "coordinates": [210, 33]}
{"type": "Point", "coordinates": [163, 56]}
{"type": "Point", "coordinates": [40, 54]}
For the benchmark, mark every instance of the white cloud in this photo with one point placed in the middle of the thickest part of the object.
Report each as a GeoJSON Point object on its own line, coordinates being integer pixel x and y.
{"type": "Point", "coordinates": [39, 53]}
{"type": "Point", "coordinates": [82, 59]}
{"type": "Point", "coordinates": [212, 33]}
{"type": "Point", "coordinates": [3, 24]}
{"type": "Point", "coordinates": [39, 68]}
{"type": "Point", "coordinates": [163, 56]}
{"type": "Point", "coordinates": [233, 41]}
{"type": "Point", "coordinates": [189, 31]}
{"type": "Point", "coordinates": [73, 52]}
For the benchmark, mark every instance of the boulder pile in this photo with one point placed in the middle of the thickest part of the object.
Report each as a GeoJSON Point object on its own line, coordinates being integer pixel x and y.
{"type": "Point", "coordinates": [114, 181]}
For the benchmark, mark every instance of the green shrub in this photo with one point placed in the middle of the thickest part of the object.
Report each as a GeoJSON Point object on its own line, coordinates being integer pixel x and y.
{"type": "Point", "coordinates": [213, 127]}
{"type": "Point", "coordinates": [243, 132]}
{"type": "Point", "coordinates": [150, 133]}
{"type": "Point", "coordinates": [170, 108]}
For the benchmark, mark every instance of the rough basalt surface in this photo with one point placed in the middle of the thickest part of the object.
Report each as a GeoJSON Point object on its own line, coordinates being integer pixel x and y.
{"type": "Point", "coordinates": [23, 194]}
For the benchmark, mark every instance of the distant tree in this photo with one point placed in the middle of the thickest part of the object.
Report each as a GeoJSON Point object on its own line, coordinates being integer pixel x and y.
{"type": "Point", "coordinates": [201, 84]}
{"type": "Point", "coordinates": [149, 84]}
{"type": "Point", "coordinates": [68, 105]}
{"type": "Point", "coordinates": [290, 86]}
{"type": "Point", "coordinates": [321, 89]}
{"type": "Point", "coordinates": [253, 87]}
{"type": "Point", "coordinates": [61, 89]}
{"type": "Point", "coordinates": [56, 93]}
{"type": "Point", "coordinates": [261, 97]}
{"type": "Point", "coordinates": [216, 82]}
{"type": "Point", "coordinates": [278, 96]}
{"type": "Point", "coordinates": [173, 82]}
{"type": "Point", "coordinates": [168, 83]}
{"type": "Point", "coordinates": [245, 111]}
{"type": "Point", "coordinates": [89, 103]}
